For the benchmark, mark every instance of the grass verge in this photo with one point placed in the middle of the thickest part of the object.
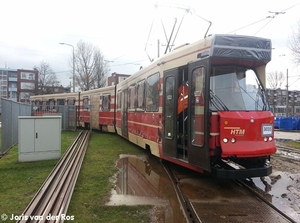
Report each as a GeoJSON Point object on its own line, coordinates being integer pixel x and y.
{"type": "Point", "coordinates": [93, 185]}
{"type": "Point", "coordinates": [20, 181]}
{"type": "Point", "coordinates": [294, 144]}
{"type": "Point", "coordinates": [291, 143]}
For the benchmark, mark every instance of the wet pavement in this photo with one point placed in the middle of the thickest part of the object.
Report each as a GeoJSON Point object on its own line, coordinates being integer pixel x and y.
{"type": "Point", "coordinates": [220, 200]}
{"type": "Point", "coordinates": [142, 180]}
{"type": "Point", "coordinates": [280, 188]}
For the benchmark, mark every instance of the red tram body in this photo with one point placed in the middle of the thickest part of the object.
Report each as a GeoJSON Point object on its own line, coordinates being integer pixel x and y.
{"type": "Point", "coordinates": [202, 106]}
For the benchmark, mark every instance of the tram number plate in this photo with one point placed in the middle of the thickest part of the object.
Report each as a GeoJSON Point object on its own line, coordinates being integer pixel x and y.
{"type": "Point", "coordinates": [267, 130]}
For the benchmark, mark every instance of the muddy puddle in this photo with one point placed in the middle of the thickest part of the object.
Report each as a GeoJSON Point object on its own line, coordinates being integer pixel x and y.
{"type": "Point", "coordinates": [142, 180]}
{"type": "Point", "coordinates": [283, 190]}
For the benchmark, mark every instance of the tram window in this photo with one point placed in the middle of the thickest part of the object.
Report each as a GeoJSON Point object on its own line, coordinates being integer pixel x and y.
{"type": "Point", "coordinates": [169, 92]}
{"type": "Point", "coordinates": [119, 100]}
{"type": "Point", "coordinates": [152, 92]}
{"type": "Point", "coordinates": [132, 97]}
{"type": "Point", "coordinates": [197, 110]}
{"type": "Point", "coordinates": [51, 104]}
{"type": "Point", "coordinates": [106, 102]}
{"type": "Point", "coordinates": [44, 105]}
{"type": "Point", "coordinates": [141, 95]}
{"type": "Point", "coordinates": [60, 101]}
{"type": "Point", "coordinates": [37, 104]}
{"type": "Point", "coordinates": [71, 101]}
{"type": "Point", "coordinates": [85, 102]}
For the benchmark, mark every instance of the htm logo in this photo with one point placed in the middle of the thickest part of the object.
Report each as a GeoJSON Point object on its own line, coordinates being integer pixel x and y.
{"type": "Point", "coordinates": [237, 132]}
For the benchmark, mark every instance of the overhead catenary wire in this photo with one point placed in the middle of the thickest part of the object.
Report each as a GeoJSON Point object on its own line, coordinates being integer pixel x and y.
{"type": "Point", "coordinates": [175, 29]}
{"type": "Point", "coordinates": [272, 17]}
{"type": "Point", "coordinates": [268, 17]}
{"type": "Point", "coordinates": [248, 25]}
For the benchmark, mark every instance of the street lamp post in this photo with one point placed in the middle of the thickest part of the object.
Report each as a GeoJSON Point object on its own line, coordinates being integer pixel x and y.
{"type": "Point", "coordinates": [73, 64]}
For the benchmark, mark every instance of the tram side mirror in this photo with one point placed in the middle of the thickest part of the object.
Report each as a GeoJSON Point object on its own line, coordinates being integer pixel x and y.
{"type": "Point", "coordinates": [203, 54]}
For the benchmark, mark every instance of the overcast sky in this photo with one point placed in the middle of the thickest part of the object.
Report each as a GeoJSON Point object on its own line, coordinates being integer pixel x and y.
{"type": "Point", "coordinates": [31, 30]}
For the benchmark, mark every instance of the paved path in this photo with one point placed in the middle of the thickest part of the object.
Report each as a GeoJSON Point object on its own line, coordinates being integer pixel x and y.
{"type": "Point", "coordinates": [287, 135]}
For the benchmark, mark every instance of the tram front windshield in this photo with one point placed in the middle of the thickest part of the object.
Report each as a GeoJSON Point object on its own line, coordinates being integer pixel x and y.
{"type": "Point", "coordinates": [236, 89]}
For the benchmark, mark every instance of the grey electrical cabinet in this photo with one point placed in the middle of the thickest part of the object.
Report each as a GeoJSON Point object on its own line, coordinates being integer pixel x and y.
{"type": "Point", "coordinates": [39, 138]}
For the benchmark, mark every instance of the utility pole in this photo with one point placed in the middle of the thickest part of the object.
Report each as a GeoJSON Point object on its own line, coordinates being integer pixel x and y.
{"type": "Point", "coordinates": [287, 92]}
{"type": "Point", "coordinates": [158, 45]}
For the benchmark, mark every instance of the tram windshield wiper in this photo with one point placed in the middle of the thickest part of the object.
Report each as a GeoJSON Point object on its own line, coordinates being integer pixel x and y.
{"type": "Point", "coordinates": [260, 94]}
{"type": "Point", "coordinates": [217, 102]}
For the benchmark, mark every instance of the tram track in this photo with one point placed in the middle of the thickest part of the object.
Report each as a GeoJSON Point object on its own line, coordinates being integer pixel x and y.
{"type": "Point", "coordinates": [51, 202]}
{"type": "Point", "coordinates": [187, 207]}
{"type": "Point", "coordinates": [230, 200]}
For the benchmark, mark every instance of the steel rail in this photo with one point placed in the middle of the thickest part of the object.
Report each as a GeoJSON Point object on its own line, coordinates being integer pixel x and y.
{"type": "Point", "coordinates": [188, 209]}
{"type": "Point", "coordinates": [53, 197]}
{"type": "Point", "coordinates": [67, 184]}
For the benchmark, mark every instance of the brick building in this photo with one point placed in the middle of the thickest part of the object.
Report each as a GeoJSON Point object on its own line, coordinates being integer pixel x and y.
{"type": "Point", "coordinates": [116, 78]}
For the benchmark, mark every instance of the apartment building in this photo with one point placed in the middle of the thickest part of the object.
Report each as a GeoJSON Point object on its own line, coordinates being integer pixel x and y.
{"type": "Point", "coordinates": [280, 100]}
{"type": "Point", "coordinates": [18, 84]}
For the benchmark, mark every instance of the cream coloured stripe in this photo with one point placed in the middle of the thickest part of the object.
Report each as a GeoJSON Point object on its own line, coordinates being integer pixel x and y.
{"type": "Point", "coordinates": [143, 124]}
{"type": "Point", "coordinates": [232, 127]}
{"type": "Point", "coordinates": [214, 134]}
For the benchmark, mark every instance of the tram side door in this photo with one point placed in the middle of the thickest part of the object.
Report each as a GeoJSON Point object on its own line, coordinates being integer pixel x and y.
{"type": "Point", "coordinates": [124, 114]}
{"type": "Point", "coordinates": [198, 135]}
{"type": "Point", "coordinates": [169, 139]}
{"type": "Point", "coordinates": [94, 110]}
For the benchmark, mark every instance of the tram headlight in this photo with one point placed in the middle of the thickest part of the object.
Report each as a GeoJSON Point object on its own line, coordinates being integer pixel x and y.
{"type": "Point", "coordinates": [270, 138]}
{"type": "Point", "coordinates": [266, 139]}
{"type": "Point", "coordinates": [225, 140]}
{"type": "Point", "coordinates": [233, 140]}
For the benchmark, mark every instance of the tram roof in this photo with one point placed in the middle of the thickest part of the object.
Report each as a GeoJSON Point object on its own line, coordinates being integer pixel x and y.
{"type": "Point", "coordinates": [241, 47]}
{"type": "Point", "coordinates": [232, 46]}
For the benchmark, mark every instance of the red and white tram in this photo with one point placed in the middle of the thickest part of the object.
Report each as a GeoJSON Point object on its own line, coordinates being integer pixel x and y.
{"type": "Point", "coordinates": [202, 106]}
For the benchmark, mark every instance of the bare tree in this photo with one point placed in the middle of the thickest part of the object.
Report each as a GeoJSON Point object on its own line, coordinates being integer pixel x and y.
{"type": "Point", "coordinates": [275, 79]}
{"type": "Point", "coordinates": [101, 70]}
{"type": "Point", "coordinates": [47, 78]}
{"type": "Point", "coordinates": [294, 44]}
{"type": "Point", "coordinates": [90, 67]}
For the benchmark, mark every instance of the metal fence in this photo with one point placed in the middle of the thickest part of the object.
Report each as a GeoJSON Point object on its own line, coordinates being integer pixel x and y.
{"type": "Point", "coordinates": [9, 114]}
{"type": "Point", "coordinates": [12, 110]}
{"type": "Point", "coordinates": [67, 112]}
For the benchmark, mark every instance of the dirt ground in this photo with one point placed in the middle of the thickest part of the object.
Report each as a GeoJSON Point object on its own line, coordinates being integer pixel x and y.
{"type": "Point", "coordinates": [284, 164]}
